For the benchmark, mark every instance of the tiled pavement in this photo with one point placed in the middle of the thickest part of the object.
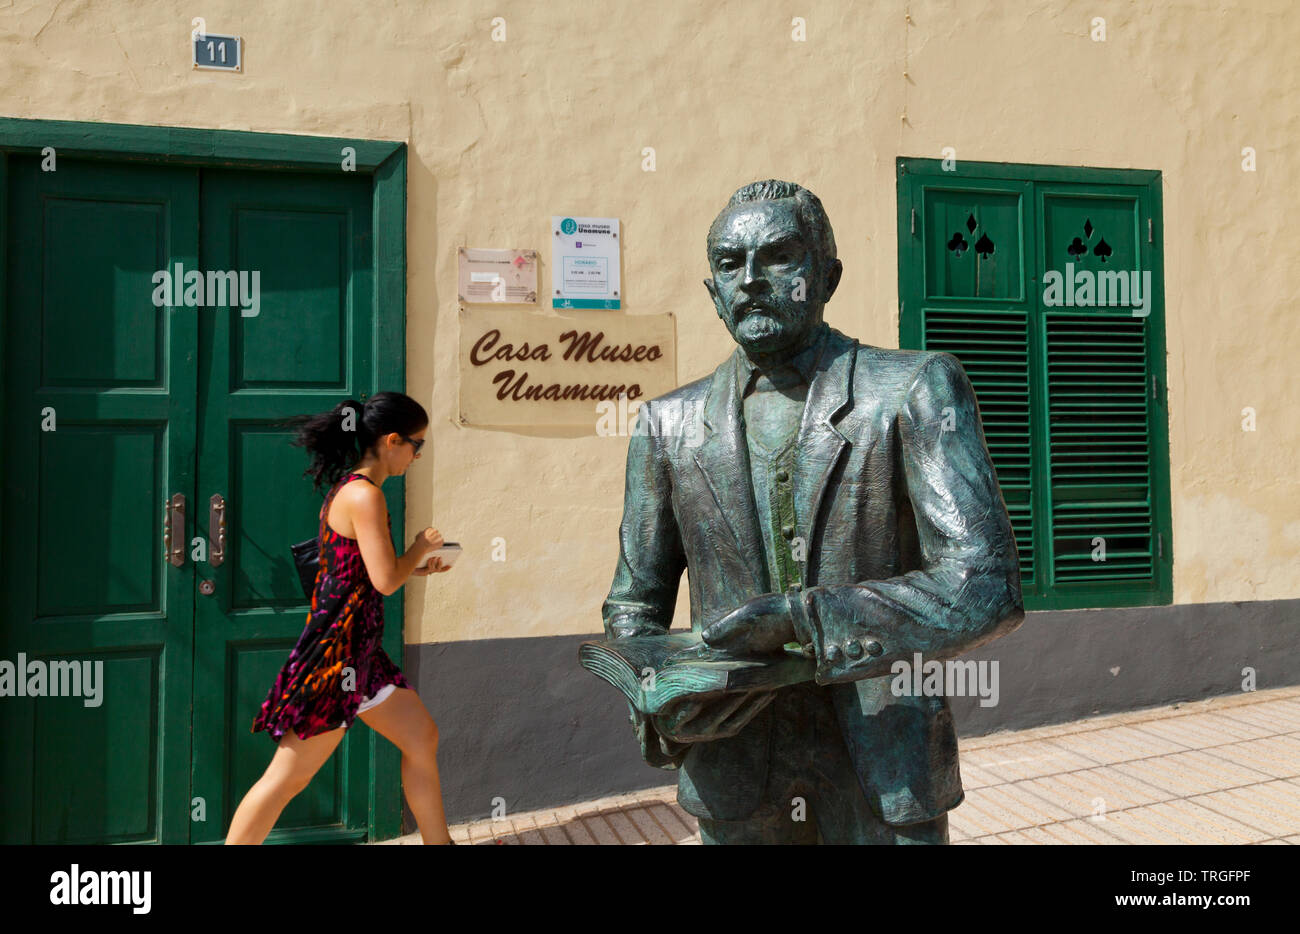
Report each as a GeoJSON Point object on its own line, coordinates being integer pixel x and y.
{"type": "Point", "coordinates": [1223, 770]}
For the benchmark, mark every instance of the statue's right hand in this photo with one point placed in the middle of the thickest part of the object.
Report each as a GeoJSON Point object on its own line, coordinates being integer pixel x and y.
{"type": "Point", "coordinates": [694, 721]}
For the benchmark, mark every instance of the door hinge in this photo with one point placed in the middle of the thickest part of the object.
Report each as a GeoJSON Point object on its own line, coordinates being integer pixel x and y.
{"type": "Point", "coordinates": [1153, 386]}
{"type": "Point", "coordinates": [913, 221]}
{"type": "Point", "coordinates": [1160, 545]}
{"type": "Point", "coordinates": [1149, 235]}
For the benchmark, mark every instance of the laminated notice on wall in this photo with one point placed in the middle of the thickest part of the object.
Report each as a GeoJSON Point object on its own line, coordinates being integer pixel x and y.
{"type": "Point", "coordinates": [496, 275]}
{"type": "Point", "coordinates": [575, 368]}
{"type": "Point", "coordinates": [584, 262]}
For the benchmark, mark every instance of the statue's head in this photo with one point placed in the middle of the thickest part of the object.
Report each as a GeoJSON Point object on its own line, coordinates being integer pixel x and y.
{"type": "Point", "coordinates": [772, 255]}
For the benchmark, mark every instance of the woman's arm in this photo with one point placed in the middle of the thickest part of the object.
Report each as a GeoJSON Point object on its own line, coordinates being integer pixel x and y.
{"type": "Point", "coordinates": [366, 511]}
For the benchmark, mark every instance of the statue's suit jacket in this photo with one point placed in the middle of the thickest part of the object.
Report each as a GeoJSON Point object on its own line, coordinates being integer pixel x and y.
{"type": "Point", "coordinates": [907, 548]}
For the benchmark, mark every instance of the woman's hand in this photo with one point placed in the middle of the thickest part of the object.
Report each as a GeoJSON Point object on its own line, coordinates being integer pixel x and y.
{"type": "Point", "coordinates": [435, 566]}
{"type": "Point", "coordinates": [428, 540]}
{"type": "Point", "coordinates": [363, 504]}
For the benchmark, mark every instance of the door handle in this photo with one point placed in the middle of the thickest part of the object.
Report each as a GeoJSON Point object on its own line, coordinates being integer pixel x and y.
{"type": "Point", "coordinates": [174, 530]}
{"type": "Point", "coordinates": [217, 529]}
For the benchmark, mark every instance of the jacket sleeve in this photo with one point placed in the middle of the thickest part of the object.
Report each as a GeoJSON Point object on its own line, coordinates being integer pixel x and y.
{"type": "Point", "coordinates": [967, 592]}
{"type": "Point", "coordinates": [650, 556]}
{"type": "Point", "coordinates": [650, 564]}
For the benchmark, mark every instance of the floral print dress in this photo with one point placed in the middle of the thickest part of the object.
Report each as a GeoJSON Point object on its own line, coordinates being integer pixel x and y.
{"type": "Point", "coordinates": [344, 630]}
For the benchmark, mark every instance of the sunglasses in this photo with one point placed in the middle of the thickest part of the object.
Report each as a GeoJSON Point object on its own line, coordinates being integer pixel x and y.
{"type": "Point", "coordinates": [415, 444]}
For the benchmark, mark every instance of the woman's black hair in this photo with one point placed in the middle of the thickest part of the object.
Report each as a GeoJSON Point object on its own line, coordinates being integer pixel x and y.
{"type": "Point", "coordinates": [339, 438]}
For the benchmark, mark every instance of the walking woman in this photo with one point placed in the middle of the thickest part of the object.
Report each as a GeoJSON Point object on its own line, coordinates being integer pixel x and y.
{"type": "Point", "coordinates": [338, 670]}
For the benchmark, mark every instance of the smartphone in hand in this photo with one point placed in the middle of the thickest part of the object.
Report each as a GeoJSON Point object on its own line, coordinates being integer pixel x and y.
{"type": "Point", "coordinates": [449, 552]}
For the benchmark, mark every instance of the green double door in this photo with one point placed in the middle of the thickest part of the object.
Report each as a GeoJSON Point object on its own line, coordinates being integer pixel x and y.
{"type": "Point", "coordinates": [150, 497]}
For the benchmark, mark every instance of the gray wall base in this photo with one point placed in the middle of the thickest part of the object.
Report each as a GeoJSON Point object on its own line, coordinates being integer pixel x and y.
{"type": "Point", "coordinates": [519, 720]}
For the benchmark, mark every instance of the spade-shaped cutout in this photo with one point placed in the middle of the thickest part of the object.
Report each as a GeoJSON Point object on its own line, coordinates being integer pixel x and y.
{"type": "Point", "coordinates": [1103, 250]}
{"type": "Point", "coordinates": [984, 246]}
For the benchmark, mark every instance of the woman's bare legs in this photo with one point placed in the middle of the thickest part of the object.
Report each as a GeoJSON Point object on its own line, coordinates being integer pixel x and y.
{"type": "Point", "coordinates": [291, 770]}
{"type": "Point", "coordinates": [403, 720]}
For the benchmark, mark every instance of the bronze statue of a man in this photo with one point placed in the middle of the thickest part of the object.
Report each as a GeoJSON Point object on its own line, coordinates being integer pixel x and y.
{"type": "Point", "coordinates": [843, 499]}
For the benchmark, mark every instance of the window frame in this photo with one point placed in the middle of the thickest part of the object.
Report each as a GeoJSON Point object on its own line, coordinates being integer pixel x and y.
{"type": "Point", "coordinates": [914, 175]}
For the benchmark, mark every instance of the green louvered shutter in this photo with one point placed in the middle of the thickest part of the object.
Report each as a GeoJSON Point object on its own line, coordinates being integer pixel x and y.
{"type": "Point", "coordinates": [1071, 398]}
{"type": "Point", "coordinates": [1100, 449]}
{"type": "Point", "coordinates": [994, 350]}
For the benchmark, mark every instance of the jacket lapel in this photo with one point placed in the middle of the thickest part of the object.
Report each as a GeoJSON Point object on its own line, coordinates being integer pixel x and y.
{"type": "Point", "coordinates": [820, 444]}
{"type": "Point", "coordinates": [723, 456]}
{"type": "Point", "coordinates": [723, 459]}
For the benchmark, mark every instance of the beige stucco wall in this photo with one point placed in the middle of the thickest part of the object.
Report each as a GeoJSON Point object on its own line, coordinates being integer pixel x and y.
{"type": "Point", "coordinates": [554, 120]}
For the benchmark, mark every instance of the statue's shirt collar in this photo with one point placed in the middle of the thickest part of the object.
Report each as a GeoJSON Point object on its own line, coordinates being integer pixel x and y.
{"type": "Point", "coordinates": [805, 362]}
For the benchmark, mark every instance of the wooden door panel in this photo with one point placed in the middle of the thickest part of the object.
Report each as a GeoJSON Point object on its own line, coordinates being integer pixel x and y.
{"type": "Point", "coordinates": [262, 572]}
{"type": "Point", "coordinates": [99, 326]}
{"type": "Point", "coordinates": [309, 346]}
{"type": "Point", "coordinates": [971, 280]}
{"type": "Point", "coordinates": [108, 795]}
{"type": "Point", "coordinates": [103, 483]}
{"type": "Point", "coordinates": [973, 242]}
{"type": "Point", "coordinates": [1101, 415]}
{"type": "Point", "coordinates": [100, 390]}
{"type": "Point", "coordinates": [299, 337]}
{"type": "Point", "coordinates": [1091, 230]}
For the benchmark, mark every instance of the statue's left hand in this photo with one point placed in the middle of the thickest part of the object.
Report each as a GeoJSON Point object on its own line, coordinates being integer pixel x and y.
{"type": "Point", "coordinates": [760, 626]}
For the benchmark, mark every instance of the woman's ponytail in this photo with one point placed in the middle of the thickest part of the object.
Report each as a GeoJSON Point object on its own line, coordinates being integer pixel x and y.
{"type": "Point", "coordinates": [337, 439]}
{"type": "Point", "coordinates": [331, 439]}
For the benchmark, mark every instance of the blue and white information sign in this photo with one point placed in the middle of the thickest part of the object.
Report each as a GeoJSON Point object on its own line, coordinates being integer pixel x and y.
{"type": "Point", "coordinates": [584, 262]}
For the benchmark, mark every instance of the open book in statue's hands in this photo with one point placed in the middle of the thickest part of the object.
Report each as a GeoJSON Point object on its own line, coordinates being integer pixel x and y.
{"type": "Point", "coordinates": [672, 676]}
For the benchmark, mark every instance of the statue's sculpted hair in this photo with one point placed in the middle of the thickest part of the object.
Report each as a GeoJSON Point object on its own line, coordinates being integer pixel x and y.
{"type": "Point", "coordinates": [808, 208]}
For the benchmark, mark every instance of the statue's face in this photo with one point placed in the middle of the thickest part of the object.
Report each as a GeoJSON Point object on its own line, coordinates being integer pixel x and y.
{"type": "Point", "coordinates": [766, 284]}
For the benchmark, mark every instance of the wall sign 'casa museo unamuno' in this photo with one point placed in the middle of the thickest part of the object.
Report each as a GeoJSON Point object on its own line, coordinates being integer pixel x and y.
{"type": "Point", "coordinates": [524, 368]}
